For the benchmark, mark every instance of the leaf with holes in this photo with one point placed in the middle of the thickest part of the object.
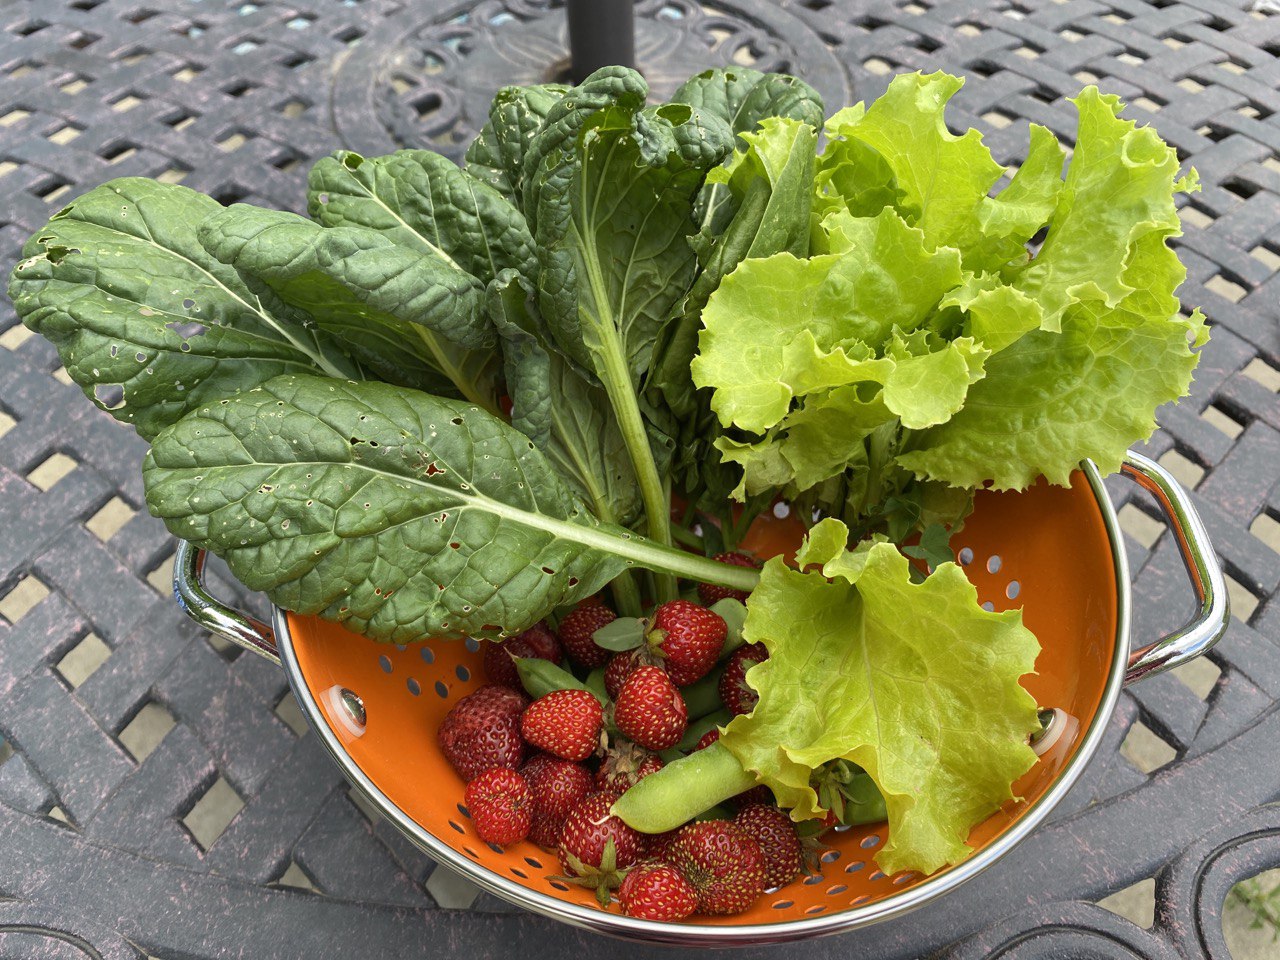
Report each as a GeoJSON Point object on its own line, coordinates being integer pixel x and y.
{"type": "Point", "coordinates": [146, 322]}
{"type": "Point", "coordinates": [411, 315]}
{"type": "Point", "coordinates": [496, 156]}
{"type": "Point", "coordinates": [398, 514]}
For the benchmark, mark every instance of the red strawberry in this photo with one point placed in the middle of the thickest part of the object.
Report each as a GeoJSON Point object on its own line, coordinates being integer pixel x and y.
{"type": "Point", "coordinates": [650, 709]}
{"type": "Point", "coordinates": [709, 593]}
{"type": "Point", "coordinates": [779, 842]}
{"type": "Point", "coordinates": [482, 731]}
{"type": "Point", "coordinates": [537, 641]}
{"type": "Point", "coordinates": [619, 668]}
{"type": "Point", "coordinates": [735, 693]}
{"type": "Point", "coordinates": [576, 630]}
{"type": "Point", "coordinates": [656, 891]}
{"type": "Point", "coordinates": [688, 638]}
{"type": "Point", "coordinates": [596, 847]}
{"type": "Point", "coordinates": [625, 765]}
{"type": "Point", "coordinates": [707, 739]}
{"type": "Point", "coordinates": [657, 846]}
{"type": "Point", "coordinates": [501, 806]}
{"type": "Point", "coordinates": [724, 866]}
{"type": "Point", "coordinates": [564, 722]}
{"type": "Point", "coordinates": [557, 786]}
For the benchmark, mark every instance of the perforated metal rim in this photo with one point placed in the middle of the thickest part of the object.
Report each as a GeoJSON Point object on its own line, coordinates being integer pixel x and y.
{"type": "Point", "coordinates": [692, 934]}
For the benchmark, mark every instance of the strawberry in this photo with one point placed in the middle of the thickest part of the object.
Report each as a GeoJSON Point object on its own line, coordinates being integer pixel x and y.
{"type": "Point", "coordinates": [576, 630]}
{"type": "Point", "coordinates": [650, 709]}
{"type": "Point", "coordinates": [482, 731]}
{"type": "Point", "coordinates": [597, 847]}
{"type": "Point", "coordinates": [688, 638]}
{"type": "Point", "coordinates": [557, 787]}
{"type": "Point", "coordinates": [537, 641]}
{"type": "Point", "coordinates": [779, 842]}
{"type": "Point", "coordinates": [734, 691]}
{"type": "Point", "coordinates": [724, 866]}
{"type": "Point", "coordinates": [656, 891]}
{"type": "Point", "coordinates": [625, 765]}
{"type": "Point", "coordinates": [657, 846]}
{"type": "Point", "coordinates": [501, 806]}
{"type": "Point", "coordinates": [564, 722]}
{"type": "Point", "coordinates": [709, 593]}
{"type": "Point", "coordinates": [618, 669]}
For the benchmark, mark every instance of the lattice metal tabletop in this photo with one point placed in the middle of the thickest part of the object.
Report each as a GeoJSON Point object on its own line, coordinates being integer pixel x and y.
{"type": "Point", "coordinates": [158, 793]}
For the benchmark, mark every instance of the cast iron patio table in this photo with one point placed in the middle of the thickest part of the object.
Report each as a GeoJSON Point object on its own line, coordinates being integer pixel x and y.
{"type": "Point", "coordinates": [106, 848]}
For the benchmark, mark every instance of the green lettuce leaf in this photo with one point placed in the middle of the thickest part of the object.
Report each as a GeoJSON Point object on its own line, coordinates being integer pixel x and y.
{"type": "Point", "coordinates": [929, 705]}
{"type": "Point", "coordinates": [148, 324]}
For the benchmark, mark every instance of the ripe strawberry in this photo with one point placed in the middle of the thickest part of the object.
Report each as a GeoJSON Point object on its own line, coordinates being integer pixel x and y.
{"type": "Point", "coordinates": [619, 668]}
{"type": "Point", "coordinates": [688, 638]}
{"type": "Point", "coordinates": [501, 806]}
{"type": "Point", "coordinates": [557, 787]}
{"type": "Point", "coordinates": [657, 846]}
{"type": "Point", "coordinates": [724, 866]}
{"type": "Point", "coordinates": [576, 630]}
{"type": "Point", "coordinates": [735, 693]}
{"type": "Point", "coordinates": [709, 593]}
{"type": "Point", "coordinates": [779, 842]}
{"type": "Point", "coordinates": [564, 722]}
{"type": "Point", "coordinates": [482, 731]}
{"type": "Point", "coordinates": [625, 765]}
{"type": "Point", "coordinates": [537, 641]}
{"type": "Point", "coordinates": [656, 891]}
{"type": "Point", "coordinates": [650, 709]}
{"type": "Point", "coordinates": [707, 739]}
{"type": "Point", "coordinates": [596, 847]}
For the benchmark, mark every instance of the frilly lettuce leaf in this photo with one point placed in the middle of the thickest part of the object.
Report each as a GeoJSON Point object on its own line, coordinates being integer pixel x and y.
{"type": "Point", "coordinates": [915, 683]}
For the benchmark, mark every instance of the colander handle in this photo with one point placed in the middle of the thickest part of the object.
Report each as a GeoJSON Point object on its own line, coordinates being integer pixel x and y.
{"type": "Point", "coordinates": [1210, 621]}
{"type": "Point", "coordinates": [215, 616]}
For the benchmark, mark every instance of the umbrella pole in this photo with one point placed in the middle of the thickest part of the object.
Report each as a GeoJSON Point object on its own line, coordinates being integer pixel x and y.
{"type": "Point", "coordinates": [601, 33]}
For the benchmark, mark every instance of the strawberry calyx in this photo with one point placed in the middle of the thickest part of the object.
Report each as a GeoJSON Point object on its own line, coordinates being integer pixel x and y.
{"type": "Point", "coordinates": [603, 879]}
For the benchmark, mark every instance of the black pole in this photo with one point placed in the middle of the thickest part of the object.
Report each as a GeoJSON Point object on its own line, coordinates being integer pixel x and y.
{"type": "Point", "coordinates": [601, 33]}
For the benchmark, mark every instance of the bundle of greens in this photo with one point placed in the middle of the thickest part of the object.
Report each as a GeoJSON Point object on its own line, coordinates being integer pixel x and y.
{"type": "Point", "coordinates": [455, 399]}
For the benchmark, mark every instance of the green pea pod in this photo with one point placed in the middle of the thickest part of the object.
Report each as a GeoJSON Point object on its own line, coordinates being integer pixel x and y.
{"type": "Point", "coordinates": [595, 683]}
{"type": "Point", "coordinates": [541, 677]}
{"type": "Point", "coordinates": [683, 789]}
{"type": "Point", "coordinates": [734, 614]}
{"type": "Point", "coordinates": [863, 802]}
{"type": "Point", "coordinates": [718, 812]}
{"type": "Point", "coordinates": [703, 697]}
{"type": "Point", "coordinates": [696, 728]}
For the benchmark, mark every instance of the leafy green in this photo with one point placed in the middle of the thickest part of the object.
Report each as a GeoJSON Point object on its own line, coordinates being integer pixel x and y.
{"type": "Point", "coordinates": [146, 322]}
{"type": "Point", "coordinates": [413, 316]}
{"type": "Point", "coordinates": [928, 704]}
{"type": "Point", "coordinates": [496, 156]}
{"type": "Point", "coordinates": [422, 201]}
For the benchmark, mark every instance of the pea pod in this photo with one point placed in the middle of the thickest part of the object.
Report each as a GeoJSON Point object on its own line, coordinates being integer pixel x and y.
{"type": "Point", "coordinates": [863, 801]}
{"type": "Point", "coordinates": [595, 683]}
{"type": "Point", "coordinates": [683, 789]}
{"type": "Point", "coordinates": [541, 677]}
{"type": "Point", "coordinates": [703, 697]}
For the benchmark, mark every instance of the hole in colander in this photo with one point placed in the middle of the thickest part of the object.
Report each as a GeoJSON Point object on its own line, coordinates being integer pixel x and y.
{"type": "Point", "coordinates": [1013, 589]}
{"type": "Point", "coordinates": [384, 662]}
{"type": "Point", "coordinates": [854, 867]}
{"type": "Point", "coordinates": [989, 607]}
{"type": "Point", "coordinates": [816, 909]}
{"type": "Point", "coordinates": [495, 848]}
{"type": "Point", "coordinates": [414, 687]}
{"type": "Point", "coordinates": [831, 856]}
{"type": "Point", "coordinates": [462, 672]}
{"type": "Point", "coordinates": [563, 887]}
{"type": "Point", "coordinates": [464, 811]}
{"type": "Point", "coordinates": [783, 904]}
{"type": "Point", "coordinates": [993, 563]}
{"type": "Point", "coordinates": [520, 873]}
{"type": "Point", "coordinates": [428, 655]}
{"type": "Point", "coordinates": [402, 647]}
{"type": "Point", "coordinates": [858, 901]}
{"type": "Point", "coordinates": [442, 691]}
{"type": "Point", "coordinates": [842, 827]}
{"type": "Point", "coordinates": [878, 875]}
{"type": "Point", "coordinates": [457, 826]}
{"type": "Point", "coordinates": [869, 842]}
{"type": "Point", "coordinates": [533, 863]}
{"type": "Point", "coordinates": [782, 510]}
{"type": "Point", "coordinates": [813, 878]}
{"type": "Point", "coordinates": [838, 888]}
{"type": "Point", "coordinates": [472, 644]}
{"type": "Point", "coordinates": [471, 853]}
{"type": "Point", "coordinates": [965, 556]}
{"type": "Point", "coordinates": [902, 878]}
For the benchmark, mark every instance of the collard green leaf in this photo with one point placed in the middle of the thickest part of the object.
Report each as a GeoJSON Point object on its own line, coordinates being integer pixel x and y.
{"type": "Point", "coordinates": [399, 514]}
{"type": "Point", "coordinates": [496, 156]}
{"type": "Point", "coordinates": [145, 321]}
{"type": "Point", "coordinates": [929, 705]}
{"type": "Point", "coordinates": [413, 316]}
{"type": "Point", "coordinates": [422, 201]}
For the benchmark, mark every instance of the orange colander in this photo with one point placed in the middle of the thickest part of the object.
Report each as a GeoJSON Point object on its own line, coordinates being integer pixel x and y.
{"type": "Point", "coordinates": [1056, 552]}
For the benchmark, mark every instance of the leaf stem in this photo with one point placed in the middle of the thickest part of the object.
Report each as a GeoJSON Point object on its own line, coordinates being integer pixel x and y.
{"type": "Point", "coordinates": [686, 538]}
